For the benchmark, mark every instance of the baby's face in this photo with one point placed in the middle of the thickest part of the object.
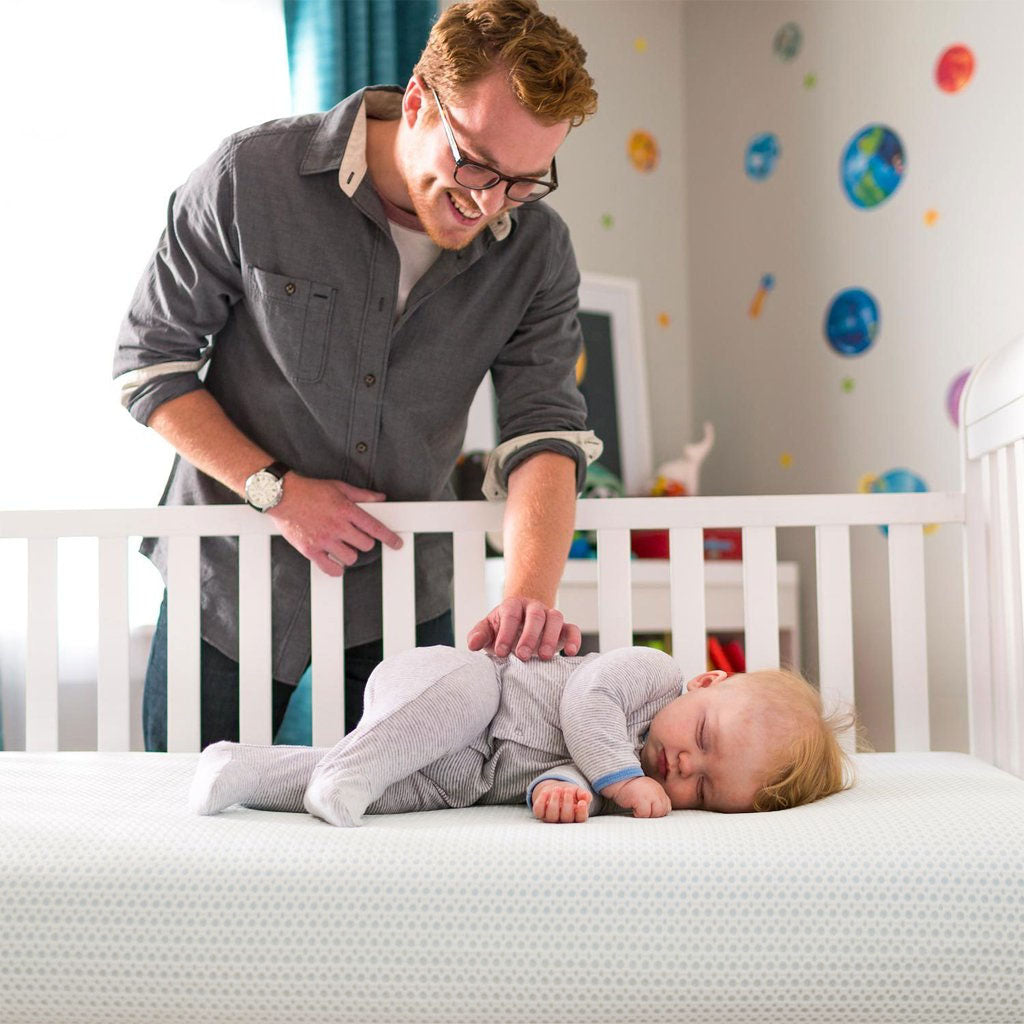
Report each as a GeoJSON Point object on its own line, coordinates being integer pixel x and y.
{"type": "Point", "coordinates": [709, 748]}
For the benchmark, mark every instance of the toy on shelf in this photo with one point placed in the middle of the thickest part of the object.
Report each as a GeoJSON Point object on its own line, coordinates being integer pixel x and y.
{"type": "Point", "coordinates": [673, 479]}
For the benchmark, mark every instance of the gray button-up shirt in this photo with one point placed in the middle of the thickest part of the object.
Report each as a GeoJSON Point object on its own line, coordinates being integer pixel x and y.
{"type": "Point", "coordinates": [277, 271]}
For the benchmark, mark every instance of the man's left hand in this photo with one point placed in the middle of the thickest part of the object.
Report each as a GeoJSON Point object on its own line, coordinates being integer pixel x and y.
{"type": "Point", "coordinates": [527, 627]}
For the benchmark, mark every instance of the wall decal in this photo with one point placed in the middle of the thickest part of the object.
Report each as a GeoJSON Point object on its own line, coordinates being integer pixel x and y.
{"type": "Point", "coordinates": [953, 393]}
{"type": "Point", "coordinates": [766, 285]}
{"type": "Point", "coordinates": [763, 153]}
{"type": "Point", "coordinates": [787, 42]}
{"type": "Point", "coordinates": [852, 322]}
{"type": "Point", "coordinates": [955, 68]}
{"type": "Point", "coordinates": [643, 151]}
{"type": "Point", "coordinates": [872, 166]}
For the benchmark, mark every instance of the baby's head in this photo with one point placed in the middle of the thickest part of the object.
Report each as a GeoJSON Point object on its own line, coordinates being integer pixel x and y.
{"type": "Point", "coordinates": [757, 741]}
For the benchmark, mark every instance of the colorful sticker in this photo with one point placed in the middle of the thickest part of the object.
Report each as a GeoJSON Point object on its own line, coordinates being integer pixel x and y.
{"type": "Point", "coordinates": [896, 481]}
{"type": "Point", "coordinates": [852, 321]}
{"type": "Point", "coordinates": [663, 320]}
{"type": "Point", "coordinates": [953, 393]}
{"type": "Point", "coordinates": [847, 384]}
{"type": "Point", "coordinates": [763, 153]}
{"type": "Point", "coordinates": [931, 218]}
{"type": "Point", "coordinates": [786, 460]}
{"type": "Point", "coordinates": [810, 80]}
{"type": "Point", "coordinates": [954, 68]}
{"type": "Point", "coordinates": [766, 285]}
{"type": "Point", "coordinates": [607, 221]}
{"type": "Point", "coordinates": [787, 41]}
{"type": "Point", "coordinates": [643, 151]}
{"type": "Point", "coordinates": [640, 44]}
{"type": "Point", "coordinates": [872, 166]}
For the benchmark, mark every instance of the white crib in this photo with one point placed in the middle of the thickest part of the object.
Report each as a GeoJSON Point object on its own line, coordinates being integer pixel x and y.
{"type": "Point", "coordinates": [901, 899]}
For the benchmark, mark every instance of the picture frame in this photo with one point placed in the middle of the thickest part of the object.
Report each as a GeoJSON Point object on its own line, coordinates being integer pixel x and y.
{"type": "Point", "coordinates": [614, 382]}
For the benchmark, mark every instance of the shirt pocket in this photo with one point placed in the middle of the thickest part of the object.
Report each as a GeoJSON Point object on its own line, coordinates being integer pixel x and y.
{"type": "Point", "coordinates": [295, 317]}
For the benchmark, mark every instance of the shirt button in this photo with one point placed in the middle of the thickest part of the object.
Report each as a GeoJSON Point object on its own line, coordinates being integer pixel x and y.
{"type": "Point", "coordinates": [361, 447]}
{"type": "Point", "coordinates": [289, 288]}
{"type": "Point", "coordinates": [369, 380]}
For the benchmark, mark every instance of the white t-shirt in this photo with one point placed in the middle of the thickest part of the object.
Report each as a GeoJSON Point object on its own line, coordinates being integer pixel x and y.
{"type": "Point", "coordinates": [417, 252]}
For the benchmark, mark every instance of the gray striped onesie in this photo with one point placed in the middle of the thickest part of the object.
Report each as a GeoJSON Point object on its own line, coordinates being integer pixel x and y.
{"type": "Point", "coordinates": [448, 728]}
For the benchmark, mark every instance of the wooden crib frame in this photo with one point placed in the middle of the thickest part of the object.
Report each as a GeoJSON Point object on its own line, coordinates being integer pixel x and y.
{"type": "Point", "coordinates": [990, 509]}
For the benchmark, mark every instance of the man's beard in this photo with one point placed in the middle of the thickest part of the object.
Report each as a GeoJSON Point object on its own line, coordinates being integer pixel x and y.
{"type": "Point", "coordinates": [439, 228]}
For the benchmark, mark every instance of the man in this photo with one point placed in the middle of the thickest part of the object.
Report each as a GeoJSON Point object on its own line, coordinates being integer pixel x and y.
{"type": "Point", "coordinates": [348, 279]}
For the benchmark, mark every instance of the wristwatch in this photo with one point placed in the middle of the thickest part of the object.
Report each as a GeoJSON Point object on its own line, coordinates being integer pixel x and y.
{"type": "Point", "coordinates": [265, 488]}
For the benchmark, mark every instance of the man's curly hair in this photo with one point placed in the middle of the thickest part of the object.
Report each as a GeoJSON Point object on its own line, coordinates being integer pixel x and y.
{"type": "Point", "coordinates": [543, 61]}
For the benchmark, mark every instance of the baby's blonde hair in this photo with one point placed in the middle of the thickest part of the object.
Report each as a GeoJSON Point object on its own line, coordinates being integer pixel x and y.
{"type": "Point", "coordinates": [813, 764]}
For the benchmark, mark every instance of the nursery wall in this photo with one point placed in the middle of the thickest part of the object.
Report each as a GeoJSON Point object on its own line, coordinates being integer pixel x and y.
{"type": "Point", "coordinates": [941, 258]}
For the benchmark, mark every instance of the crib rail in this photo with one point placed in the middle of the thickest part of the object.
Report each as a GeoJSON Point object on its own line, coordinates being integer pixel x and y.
{"type": "Point", "coordinates": [759, 517]}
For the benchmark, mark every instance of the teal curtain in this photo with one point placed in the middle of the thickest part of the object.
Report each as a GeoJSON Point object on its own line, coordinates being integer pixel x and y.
{"type": "Point", "coordinates": [338, 46]}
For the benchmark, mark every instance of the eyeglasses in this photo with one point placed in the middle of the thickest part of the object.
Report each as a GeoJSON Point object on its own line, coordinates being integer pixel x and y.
{"type": "Point", "coordinates": [472, 175]}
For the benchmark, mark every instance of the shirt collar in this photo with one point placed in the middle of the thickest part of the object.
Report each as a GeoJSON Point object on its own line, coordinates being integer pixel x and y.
{"type": "Point", "coordinates": [340, 142]}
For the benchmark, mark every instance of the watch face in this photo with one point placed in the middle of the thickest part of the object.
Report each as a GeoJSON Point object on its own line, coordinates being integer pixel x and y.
{"type": "Point", "coordinates": [263, 489]}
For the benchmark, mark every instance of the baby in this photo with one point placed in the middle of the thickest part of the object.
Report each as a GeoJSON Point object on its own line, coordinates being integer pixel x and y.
{"type": "Point", "coordinates": [448, 728]}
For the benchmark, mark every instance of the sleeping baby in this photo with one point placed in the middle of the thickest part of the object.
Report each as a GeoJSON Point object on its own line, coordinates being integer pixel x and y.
{"type": "Point", "coordinates": [447, 728]}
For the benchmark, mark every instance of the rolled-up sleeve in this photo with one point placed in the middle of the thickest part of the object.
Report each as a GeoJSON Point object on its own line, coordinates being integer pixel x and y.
{"type": "Point", "coordinates": [535, 373]}
{"type": "Point", "coordinates": [185, 293]}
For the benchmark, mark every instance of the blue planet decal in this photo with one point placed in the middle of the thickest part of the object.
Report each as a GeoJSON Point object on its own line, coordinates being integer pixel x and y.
{"type": "Point", "coordinates": [872, 166]}
{"type": "Point", "coordinates": [762, 154]}
{"type": "Point", "coordinates": [896, 481]}
{"type": "Point", "coordinates": [851, 322]}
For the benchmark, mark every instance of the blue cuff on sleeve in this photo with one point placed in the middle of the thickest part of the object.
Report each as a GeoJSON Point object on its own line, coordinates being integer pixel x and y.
{"type": "Point", "coordinates": [633, 772]}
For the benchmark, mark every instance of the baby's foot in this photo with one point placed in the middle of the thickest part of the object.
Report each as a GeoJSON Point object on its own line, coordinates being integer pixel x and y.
{"type": "Point", "coordinates": [221, 779]}
{"type": "Point", "coordinates": [339, 801]}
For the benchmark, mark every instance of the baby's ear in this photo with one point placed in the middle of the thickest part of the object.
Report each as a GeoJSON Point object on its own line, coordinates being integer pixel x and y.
{"type": "Point", "coordinates": [706, 679]}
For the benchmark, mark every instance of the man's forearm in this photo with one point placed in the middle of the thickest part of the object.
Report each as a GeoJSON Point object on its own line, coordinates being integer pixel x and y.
{"type": "Point", "coordinates": [200, 431]}
{"type": "Point", "coordinates": [539, 520]}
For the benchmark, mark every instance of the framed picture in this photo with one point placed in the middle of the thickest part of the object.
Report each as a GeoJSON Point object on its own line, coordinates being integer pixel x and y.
{"type": "Point", "coordinates": [612, 376]}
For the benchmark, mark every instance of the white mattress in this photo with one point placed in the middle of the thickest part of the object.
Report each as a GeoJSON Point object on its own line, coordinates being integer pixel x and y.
{"type": "Point", "coordinates": [901, 900]}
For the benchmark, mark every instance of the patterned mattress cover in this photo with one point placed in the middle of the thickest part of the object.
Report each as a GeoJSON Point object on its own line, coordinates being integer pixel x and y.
{"type": "Point", "coordinates": [900, 900]}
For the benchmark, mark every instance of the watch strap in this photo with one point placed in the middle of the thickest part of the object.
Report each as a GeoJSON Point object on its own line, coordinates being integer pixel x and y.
{"type": "Point", "coordinates": [277, 469]}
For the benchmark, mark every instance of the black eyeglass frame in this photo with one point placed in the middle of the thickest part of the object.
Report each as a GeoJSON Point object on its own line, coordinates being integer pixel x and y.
{"type": "Point", "coordinates": [461, 161]}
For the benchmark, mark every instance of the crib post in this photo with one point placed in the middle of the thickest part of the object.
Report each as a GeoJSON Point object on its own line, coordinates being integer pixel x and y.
{"type": "Point", "coordinates": [398, 596]}
{"type": "Point", "coordinates": [614, 589]}
{"type": "Point", "coordinates": [835, 620]}
{"type": "Point", "coordinates": [760, 597]}
{"type": "Point", "coordinates": [470, 567]}
{"type": "Point", "coordinates": [686, 590]}
{"type": "Point", "coordinates": [183, 650]}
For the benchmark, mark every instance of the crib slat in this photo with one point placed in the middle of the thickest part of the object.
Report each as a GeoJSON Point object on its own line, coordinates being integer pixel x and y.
{"type": "Point", "coordinates": [41, 658]}
{"type": "Point", "coordinates": [909, 639]}
{"type": "Point", "coordinates": [835, 620]}
{"type": "Point", "coordinates": [760, 597]}
{"type": "Point", "coordinates": [614, 590]}
{"type": "Point", "coordinates": [113, 686]}
{"type": "Point", "coordinates": [470, 599]}
{"type": "Point", "coordinates": [183, 661]}
{"type": "Point", "coordinates": [979, 662]}
{"type": "Point", "coordinates": [399, 596]}
{"type": "Point", "coordinates": [255, 659]}
{"type": "Point", "coordinates": [1002, 602]}
{"type": "Point", "coordinates": [686, 588]}
{"type": "Point", "coordinates": [1011, 486]}
{"type": "Point", "coordinates": [327, 625]}
{"type": "Point", "coordinates": [1016, 716]}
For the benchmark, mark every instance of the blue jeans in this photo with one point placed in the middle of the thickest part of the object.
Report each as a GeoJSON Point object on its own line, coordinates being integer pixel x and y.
{"type": "Point", "coordinates": [219, 683]}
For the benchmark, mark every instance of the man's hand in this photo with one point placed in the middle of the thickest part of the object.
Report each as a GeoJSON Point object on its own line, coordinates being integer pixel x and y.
{"type": "Point", "coordinates": [321, 520]}
{"type": "Point", "coordinates": [528, 627]}
{"type": "Point", "coordinates": [644, 796]}
{"type": "Point", "coordinates": [555, 801]}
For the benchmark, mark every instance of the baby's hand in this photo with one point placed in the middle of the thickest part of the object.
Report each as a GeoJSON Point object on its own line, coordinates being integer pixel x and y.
{"type": "Point", "coordinates": [642, 795]}
{"type": "Point", "coordinates": [557, 801]}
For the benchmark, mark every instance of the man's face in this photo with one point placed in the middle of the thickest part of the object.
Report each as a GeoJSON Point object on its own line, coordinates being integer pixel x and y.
{"type": "Point", "coordinates": [709, 748]}
{"type": "Point", "coordinates": [490, 127]}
